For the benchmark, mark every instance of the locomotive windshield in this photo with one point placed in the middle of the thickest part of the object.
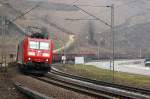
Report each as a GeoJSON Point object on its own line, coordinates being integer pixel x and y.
{"type": "Point", "coordinates": [39, 45]}
{"type": "Point", "coordinates": [34, 45]}
{"type": "Point", "coordinates": [44, 45]}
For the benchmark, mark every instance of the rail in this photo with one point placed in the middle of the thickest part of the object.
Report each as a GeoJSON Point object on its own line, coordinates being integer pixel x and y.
{"type": "Point", "coordinates": [73, 86]}
{"type": "Point", "coordinates": [102, 83]}
{"type": "Point", "coordinates": [31, 93]}
{"type": "Point", "coordinates": [86, 89]}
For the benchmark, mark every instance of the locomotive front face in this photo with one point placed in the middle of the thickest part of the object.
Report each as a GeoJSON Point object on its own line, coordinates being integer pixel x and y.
{"type": "Point", "coordinates": [35, 55]}
{"type": "Point", "coordinates": [39, 51]}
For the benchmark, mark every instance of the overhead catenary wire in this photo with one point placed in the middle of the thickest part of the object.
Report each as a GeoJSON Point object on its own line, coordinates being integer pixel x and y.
{"type": "Point", "coordinates": [91, 5]}
{"type": "Point", "coordinates": [37, 5]}
{"type": "Point", "coordinates": [6, 22]}
{"type": "Point", "coordinates": [121, 5]}
{"type": "Point", "coordinates": [96, 18]}
{"type": "Point", "coordinates": [79, 19]}
{"type": "Point", "coordinates": [10, 6]}
{"type": "Point", "coordinates": [109, 25]}
{"type": "Point", "coordinates": [74, 2]}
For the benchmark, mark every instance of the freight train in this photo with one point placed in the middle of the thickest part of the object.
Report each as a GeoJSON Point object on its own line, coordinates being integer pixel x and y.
{"type": "Point", "coordinates": [34, 54]}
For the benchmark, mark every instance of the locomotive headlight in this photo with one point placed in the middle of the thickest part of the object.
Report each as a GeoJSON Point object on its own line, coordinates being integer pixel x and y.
{"type": "Point", "coordinates": [47, 60]}
{"type": "Point", "coordinates": [29, 58]}
{"type": "Point", "coordinates": [46, 54]}
{"type": "Point", "coordinates": [31, 53]}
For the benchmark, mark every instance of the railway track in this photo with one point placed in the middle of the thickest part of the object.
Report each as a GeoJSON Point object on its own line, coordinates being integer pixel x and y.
{"type": "Point", "coordinates": [135, 92]}
{"type": "Point", "coordinates": [74, 87]}
{"type": "Point", "coordinates": [61, 81]}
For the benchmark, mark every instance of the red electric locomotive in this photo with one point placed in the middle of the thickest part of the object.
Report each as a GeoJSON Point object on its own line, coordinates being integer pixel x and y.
{"type": "Point", "coordinates": [35, 54]}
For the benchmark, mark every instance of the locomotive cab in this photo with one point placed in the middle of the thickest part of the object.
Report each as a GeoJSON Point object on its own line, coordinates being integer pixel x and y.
{"type": "Point", "coordinates": [35, 55]}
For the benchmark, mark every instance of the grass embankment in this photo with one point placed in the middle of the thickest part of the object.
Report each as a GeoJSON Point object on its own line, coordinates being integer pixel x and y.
{"type": "Point", "coordinates": [106, 75]}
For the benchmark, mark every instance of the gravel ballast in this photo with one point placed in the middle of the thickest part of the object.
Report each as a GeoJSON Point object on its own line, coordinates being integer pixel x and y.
{"type": "Point", "coordinates": [7, 89]}
{"type": "Point", "coordinates": [49, 90]}
{"type": "Point", "coordinates": [12, 75]}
